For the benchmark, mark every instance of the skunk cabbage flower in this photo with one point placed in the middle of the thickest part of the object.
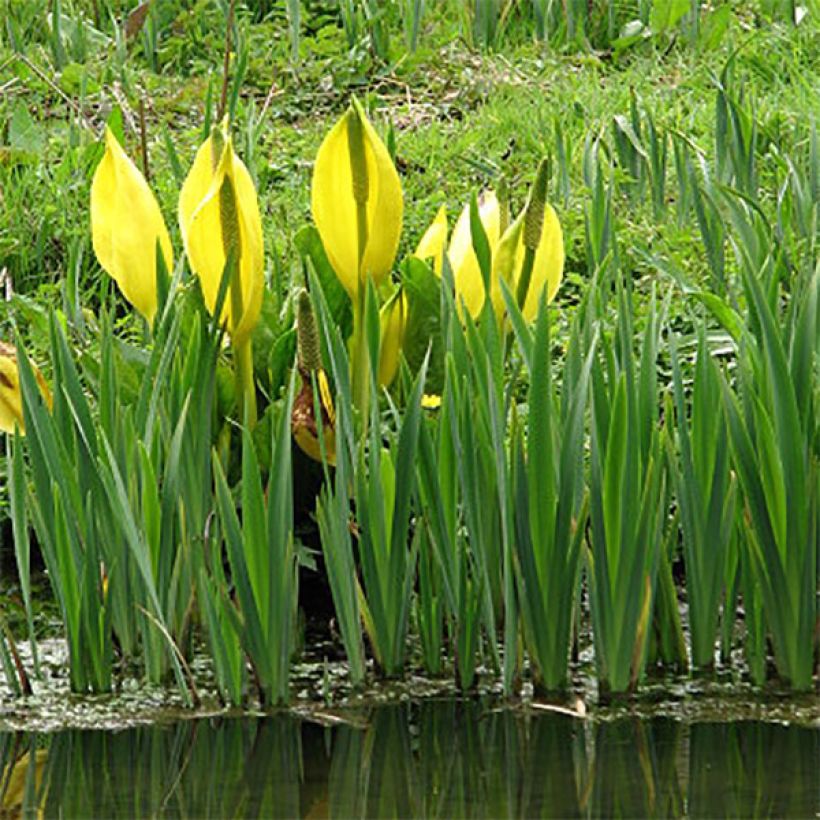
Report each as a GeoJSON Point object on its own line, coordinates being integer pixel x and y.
{"type": "Point", "coordinates": [469, 285]}
{"type": "Point", "coordinates": [218, 212]}
{"type": "Point", "coordinates": [304, 423]}
{"type": "Point", "coordinates": [126, 224]}
{"type": "Point", "coordinates": [530, 255]}
{"type": "Point", "coordinates": [356, 201]}
{"type": "Point", "coordinates": [11, 396]}
{"type": "Point", "coordinates": [392, 322]}
{"type": "Point", "coordinates": [434, 242]}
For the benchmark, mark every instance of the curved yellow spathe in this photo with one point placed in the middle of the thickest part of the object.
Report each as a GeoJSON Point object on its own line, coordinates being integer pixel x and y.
{"type": "Point", "coordinates": [11, 394]}
{"type": "Point", "coordinates": [126, 224]}
{"type": "Point", "coordinates": [434, 242]}
{"type": "Point", "coordinates": [547, 269]}
{"type": "Point", "coordinates": [335, 208]}
{"type": "Point", "coordinates": [469, 285]}
{"type": "Point", "coordinates": [392, 322]}
{"type": "Point", "coordinates": [217, 198]}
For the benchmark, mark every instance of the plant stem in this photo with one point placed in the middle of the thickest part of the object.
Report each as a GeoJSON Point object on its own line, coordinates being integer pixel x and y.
{"type": "Point", "coordinates": [226, 64]}
{"type": "Point", "coordinates": [245, 387]}
{"type": "Point", "coordinates": [359, 364]}
{"type": "Point", "coordinates": [526, 275]}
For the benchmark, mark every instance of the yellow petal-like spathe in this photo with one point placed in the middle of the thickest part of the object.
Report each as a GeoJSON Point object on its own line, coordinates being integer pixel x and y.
{"type": "Point", "coordinates": [434, 242]}
{"type": "Point", "coordinates": [505, 260]}
{"type": "Point", "coordinates": [11, 394]}
{"type": "Point", "coordinates": [335, 210]}
{"type": "Point", "coordinates": [201, 223]}
{"type": "Point", "coordinates": [126, 224]}
{"type": "Point", "coordinates": [467, 279]}
{"type": "Point", "coordinates": [547, 269]}
{"type": "Point", "coordinates": [392, 322]}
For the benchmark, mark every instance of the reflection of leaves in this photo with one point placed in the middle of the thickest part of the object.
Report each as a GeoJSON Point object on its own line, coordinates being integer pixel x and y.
{"type": "Point", "coordinates": [309, 244]}
{"type": "Point", "coordinates": [423, 289]}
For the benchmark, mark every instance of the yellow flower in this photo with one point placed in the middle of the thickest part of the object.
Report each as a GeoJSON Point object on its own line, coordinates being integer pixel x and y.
{"type": "Point", "coordinates": [530, 256]}
{"type": "Point", "coordinates": [469, 285]}
{"type": "Point", "coordinates": [547, 268]}
{"type": "Point", "coordinates": [126, 224]}
{"type": "Point", "coordinates": [392, 322]}
{"type": "Point", "coordinates": [11, 397]}
{"type": "Point", "coordinates": [357, 201]}
{"type": "Point", "coordinates": [218, 211]}
{"type": "Point", "coordinates": [434, 242]}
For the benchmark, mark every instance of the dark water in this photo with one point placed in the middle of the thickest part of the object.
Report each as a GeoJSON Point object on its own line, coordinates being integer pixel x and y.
{"type": "Point", "coordinates": [434, 759]}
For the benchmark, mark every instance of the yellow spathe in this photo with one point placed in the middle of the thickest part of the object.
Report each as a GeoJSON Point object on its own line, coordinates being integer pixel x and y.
{"type": "Point", "coordinates": [205, 222]}
{"type": "Point", "coordinates": [126, 224]}
{"type": "Point", "coordinates": [434, 242]}
{"type": "Point", "coordinates": [547, 269]}
{"type": "Point", "coordinates": [11, 396]}
{"type": "Point", "coordinates": [469, 285]}
{"type": "Point", "coordinates": [392, 322]}
{"type": "Point", "coordinates": [335, 208]}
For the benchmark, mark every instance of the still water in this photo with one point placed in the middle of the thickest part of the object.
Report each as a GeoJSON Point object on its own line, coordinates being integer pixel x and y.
{"type": "Point", "coordinates": [430, 759]}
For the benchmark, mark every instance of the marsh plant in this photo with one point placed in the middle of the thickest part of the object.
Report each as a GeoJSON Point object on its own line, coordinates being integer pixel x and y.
{"type": "Point", "coordinates": [495, 469]}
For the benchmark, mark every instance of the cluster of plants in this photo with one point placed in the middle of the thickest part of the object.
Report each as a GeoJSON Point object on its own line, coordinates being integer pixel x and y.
{"type": "Point", "coordinates": [387, 31]}
{"type": "Point", "coordinates": [494, 477]}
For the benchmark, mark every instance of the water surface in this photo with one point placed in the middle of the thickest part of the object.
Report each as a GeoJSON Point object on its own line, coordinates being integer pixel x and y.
{"type": "Point", "coordinates": [430, 759]}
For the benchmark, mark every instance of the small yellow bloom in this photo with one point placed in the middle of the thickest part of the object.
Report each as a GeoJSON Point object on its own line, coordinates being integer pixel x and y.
{"type": "Point", "coordinates": [11, 396]}
{"type": "Point", "coordinates": [393, 322]}
{"type": "Point", "coordinates": [547, 268]}
{"type": "Point", "coordinates": [469, 285]}
{"type": "Point", "coordinates": [357, 201]}
{"type": "Point", "coordinates": [431, 401]}
{"type": "Point", "coordinates": [126, 224]}
{"type": "Point", "coordinates": [434, 242]}
{"type": "Point", "coordinates": [218, 210]}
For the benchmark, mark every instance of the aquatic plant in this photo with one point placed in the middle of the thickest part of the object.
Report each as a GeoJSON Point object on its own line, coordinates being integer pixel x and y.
{"type": "Point", "coordinates": [626, 491]}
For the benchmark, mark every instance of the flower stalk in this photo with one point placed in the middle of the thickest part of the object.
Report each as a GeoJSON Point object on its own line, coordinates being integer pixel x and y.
{"type": "Point", "coordinates": [232, 248]}
{"type": "Point", "coordinates": [533, 227]}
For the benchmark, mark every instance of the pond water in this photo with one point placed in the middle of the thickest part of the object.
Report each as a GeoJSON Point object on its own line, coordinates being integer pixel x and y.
{"type": "Point", "coordinates": [442, 758]}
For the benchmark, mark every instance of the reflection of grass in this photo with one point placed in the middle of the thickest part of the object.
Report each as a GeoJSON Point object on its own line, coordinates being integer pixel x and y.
{"type": "Point", "coordinates": [438, 759]}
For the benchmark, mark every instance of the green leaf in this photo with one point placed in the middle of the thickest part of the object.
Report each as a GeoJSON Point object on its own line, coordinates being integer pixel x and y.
{"type": "Point", "coordinates": [423, 331]}
{"type": "Point", "coordinates": [666, 14]}
{"type": "Point", "coordinates": [309, 244]}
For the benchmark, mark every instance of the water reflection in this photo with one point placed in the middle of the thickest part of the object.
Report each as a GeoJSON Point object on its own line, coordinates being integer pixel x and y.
{"type": "Point", "coordinates": [435, 759]}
